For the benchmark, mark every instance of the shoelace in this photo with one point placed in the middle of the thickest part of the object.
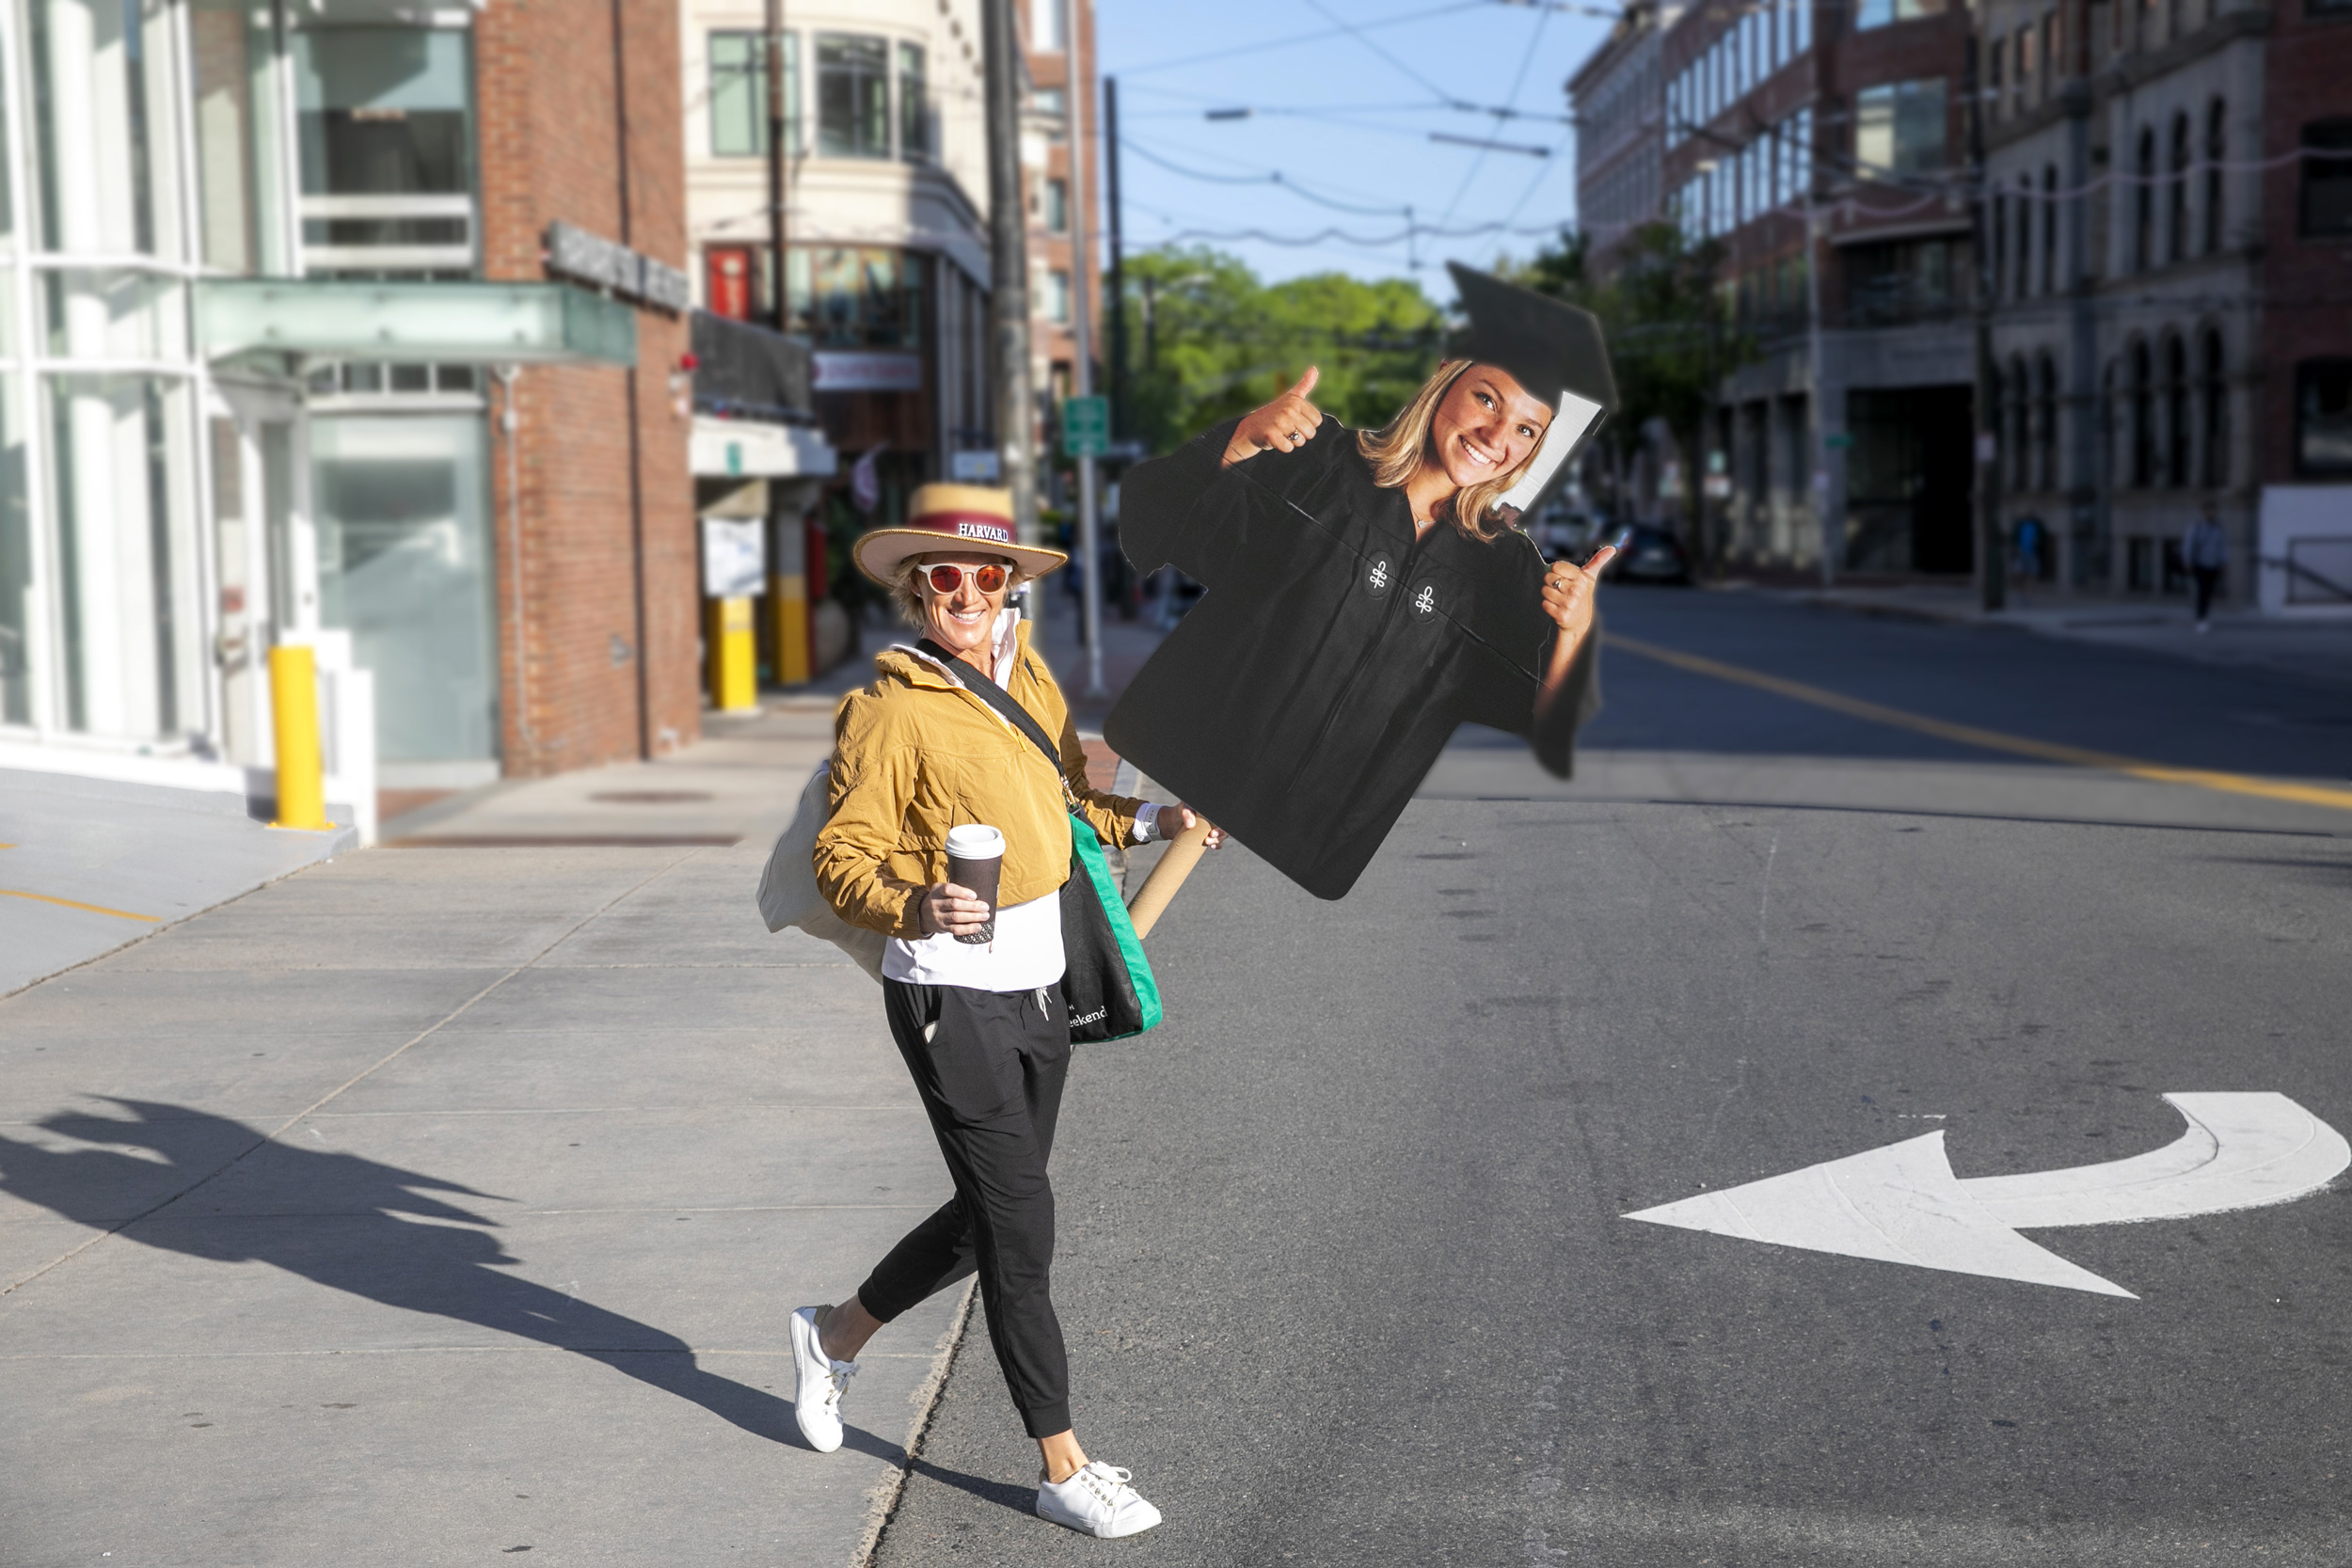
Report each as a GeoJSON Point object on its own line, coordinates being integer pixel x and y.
{"type": "Point", "coordinates": [838, 1377]}
{"type": "Point", "coordinates": [1097, 1472]}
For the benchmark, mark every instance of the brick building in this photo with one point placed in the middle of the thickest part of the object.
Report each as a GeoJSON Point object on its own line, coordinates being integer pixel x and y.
{"type": "Point", "coordinates": [365, 321]}
{"type": "Point", "coordinates": [1845, 431]}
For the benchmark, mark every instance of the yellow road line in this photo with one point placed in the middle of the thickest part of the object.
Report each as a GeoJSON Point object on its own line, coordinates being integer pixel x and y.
{"type": "Point", "coordinates": [72, 904]}
{"type": "Point", "coordinates": [1991, 741]}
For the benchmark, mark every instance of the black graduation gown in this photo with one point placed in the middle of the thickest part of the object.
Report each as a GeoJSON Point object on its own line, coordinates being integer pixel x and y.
{"type": "Point", "coordinates": [1302, 701]}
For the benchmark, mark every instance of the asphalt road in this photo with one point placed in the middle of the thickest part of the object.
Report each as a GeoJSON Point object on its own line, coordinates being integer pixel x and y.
{"type": "Point", "coordinates": [1343, 1264]}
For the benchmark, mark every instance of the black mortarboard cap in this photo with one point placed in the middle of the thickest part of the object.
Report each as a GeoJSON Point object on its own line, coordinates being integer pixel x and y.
{"type": "Point", "coordinates": [1553, 349]}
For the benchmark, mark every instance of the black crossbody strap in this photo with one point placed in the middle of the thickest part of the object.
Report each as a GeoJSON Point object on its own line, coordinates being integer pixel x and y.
{"type": "Point", "coordinates": [995, 696]}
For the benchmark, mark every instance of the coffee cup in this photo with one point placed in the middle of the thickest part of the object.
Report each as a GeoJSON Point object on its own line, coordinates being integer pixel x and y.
{"type": "Point", "coordinates": [976, 857]}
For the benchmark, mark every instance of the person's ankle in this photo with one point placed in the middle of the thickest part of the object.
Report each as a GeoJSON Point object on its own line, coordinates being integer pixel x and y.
{"type": "Point", "coordinates": [826, 1339]}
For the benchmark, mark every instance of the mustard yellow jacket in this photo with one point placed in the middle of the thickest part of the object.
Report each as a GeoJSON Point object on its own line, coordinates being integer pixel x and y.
{"type": "Point", "coordinates": [915, 754]}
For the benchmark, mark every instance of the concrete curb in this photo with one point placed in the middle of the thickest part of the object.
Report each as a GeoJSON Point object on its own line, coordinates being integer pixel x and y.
{"type": "Point", "coordinates": [884, 1499]}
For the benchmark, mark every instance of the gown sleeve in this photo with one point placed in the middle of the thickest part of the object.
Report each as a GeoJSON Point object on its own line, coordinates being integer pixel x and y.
{"type": "Point", "coordinates": [1160, 523]}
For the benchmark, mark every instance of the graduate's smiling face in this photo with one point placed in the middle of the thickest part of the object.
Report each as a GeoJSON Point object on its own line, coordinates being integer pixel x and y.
{"type": "Point", "coordinates": [962, 618]}
{"type": "Point", "coordinates": [1486, 425]}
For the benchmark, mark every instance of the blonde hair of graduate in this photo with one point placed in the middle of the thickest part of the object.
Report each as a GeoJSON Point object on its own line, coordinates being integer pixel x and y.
{"type": "Point", "coordinates": [1398, 448]}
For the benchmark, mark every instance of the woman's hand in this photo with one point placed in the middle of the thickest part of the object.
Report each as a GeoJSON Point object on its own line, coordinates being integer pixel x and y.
{"type": "Point", "coordinates": [1183, 819]}
{"type": "Point", "coordinates": [1568, 596]}
{"type": "Point", "coordinates": [1286, 424]}
{"type": "Point", "coordinates": [957, 911]}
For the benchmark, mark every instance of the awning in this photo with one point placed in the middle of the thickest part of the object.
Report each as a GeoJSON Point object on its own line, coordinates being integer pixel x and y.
{"type": "Point", "coordinates": [455, 322]}
{"type": "Point", "coordinates": [753, 448]}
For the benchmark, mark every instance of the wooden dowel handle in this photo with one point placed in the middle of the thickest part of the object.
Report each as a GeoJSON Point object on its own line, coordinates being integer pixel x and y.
{"type": "Point", "coordinates": [1183, 853]}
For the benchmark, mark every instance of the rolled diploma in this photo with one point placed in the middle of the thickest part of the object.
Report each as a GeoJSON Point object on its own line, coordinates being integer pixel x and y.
{"type": "Point", "coordinates": [1183, 853]}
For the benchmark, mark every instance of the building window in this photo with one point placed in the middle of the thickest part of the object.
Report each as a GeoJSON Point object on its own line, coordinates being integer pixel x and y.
{"type": "Point", "coordinates": [2177, 241]}
{"type": "Point", "coordinates": [1898, 127]}
{"type": "Point", "coordinates": [1056, 296]}
{"type": "Point", "coordinates": [1880, 13]}
{"type": "Point", "coordinates": [2217, 392]}
{"type": "Point", "coordinates": [2323, 417]}
{"type": "Point", "coordinates": [2000, 244]}
{"type": "Point", "coordinates": [2144, 205]}
{"type": "Point", "coordinates": [915, 106]}
{"type": "Point", "coordinates": [1898, 281]}
{"type": "Point", "coordinates": [2143, 418]}
{"type": "Point", "coordinates": [2328, 178]}
{"type": "Point", "coordinates": [2026, 215]}
{"type": "Point", "coordinates": [1995, 71]}
{"type": "Point", "coordinates": [233, 57]}
{"type": "Point", "coordinates": [2025, 65]}
{"type": "Point", "coordinates": [856, 296]}
{"type": "Point", "coordinates": [2052, 36]}
{"type": "Point", "coordinates": [739, 94]}
{"type": "Point", "coordinates": [1057, 206]}
{"type": "Point", "coordinates": [2049, 229]}
{"type": "Point", "coordinates": [2045, 422]}
{"type": "Point", "coordinates": [2176, 425]}
{"type": "Point", "coordinates": [386, 131]}
{"type": "Point", "coordinates": [852, 96]}
{"type": "Point", "coordinates": [2216, 145]}
{"type": "Point", "coordinates": [1046, 35]}
{"type": "Point", "coordinates": [2014, 429]}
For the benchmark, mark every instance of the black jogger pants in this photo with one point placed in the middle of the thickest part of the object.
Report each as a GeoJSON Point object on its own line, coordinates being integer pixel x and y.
{"type": "Point", "coordinates": [990, 1067]}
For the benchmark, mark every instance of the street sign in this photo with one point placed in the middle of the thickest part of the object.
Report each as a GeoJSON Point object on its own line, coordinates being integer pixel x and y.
{"type": "Point", "coordinates": [1902, 1204]}
{"type": "Point", "coordinates": [974, 467]}
{"type": "Point", "coordinates": [1085, 426]}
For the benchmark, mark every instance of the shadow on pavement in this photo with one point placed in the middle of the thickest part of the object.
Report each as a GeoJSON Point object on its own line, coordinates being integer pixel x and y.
{"type": "Point", "coordinates": [355, 1241]}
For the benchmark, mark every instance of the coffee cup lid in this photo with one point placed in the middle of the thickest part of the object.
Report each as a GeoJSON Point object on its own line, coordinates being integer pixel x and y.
{"type": "Point", "coordinates": [974, 841]}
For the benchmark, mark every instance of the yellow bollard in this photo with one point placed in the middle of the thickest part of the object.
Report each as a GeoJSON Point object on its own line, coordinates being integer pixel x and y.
{"type": "Point", "coordinates": [293, 690]}
{"type": "Point", "coordinates": [787, 598]}
{"type": "Point", "coordinates": [733, 656]}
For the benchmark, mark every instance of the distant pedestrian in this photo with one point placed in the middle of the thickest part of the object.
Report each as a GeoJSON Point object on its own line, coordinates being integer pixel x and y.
{"type": "Point", "coordinates": [2205, 551]}
{"type": "Point", "coordinates": [2025, 550]}
{"type": "Point", "coordinates": [980, 1022]}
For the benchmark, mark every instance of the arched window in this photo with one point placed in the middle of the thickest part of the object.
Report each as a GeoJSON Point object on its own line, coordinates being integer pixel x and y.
{"type": "Point", "coordinates": [2177, 215]}
{"type": "Point", "coordinates": [2216, 145]}
{"type": "Point", "coordinates": [2045, 422]}
{"type": "Point", "coordinates": [2177, 429]}
{"type": "Point", "coordinates": [2143, 418]}
{"type": "Point", "coordinates": [2144, 209]}
{"type": "Point", "coordinates": [2109, 414]}
{"type": "Point", "coordinates": [2050, 284]}
{"type": "Point", "coordinates": [2216, 398]}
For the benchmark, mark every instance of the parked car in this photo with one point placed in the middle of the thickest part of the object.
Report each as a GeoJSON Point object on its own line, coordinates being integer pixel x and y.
{"type": "Point", "coordinates": [1563, 531]}
{"type": "Point", "coordinates": [1652, 555]}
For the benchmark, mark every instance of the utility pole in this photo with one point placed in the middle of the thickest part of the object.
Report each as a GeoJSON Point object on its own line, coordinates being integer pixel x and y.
{"type": "Point", "coordinates": [1009, 292]}
{"type": "Point", "coordinates": [1082, 352]}
{"type": "Point", "coordinates": [1990, 566]}
{"type": "Point", "coordinates": [1118, 278]}
{"type": "Point", "coordinates": [779, 304]}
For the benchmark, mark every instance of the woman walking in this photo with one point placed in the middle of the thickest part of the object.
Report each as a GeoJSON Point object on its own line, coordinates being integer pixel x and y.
{"type": "Point", "coordinates": [979, 1022]}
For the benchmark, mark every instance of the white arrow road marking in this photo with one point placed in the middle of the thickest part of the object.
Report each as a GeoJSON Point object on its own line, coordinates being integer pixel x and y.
{"type": "Point", "coordinates": [1902, 1204]}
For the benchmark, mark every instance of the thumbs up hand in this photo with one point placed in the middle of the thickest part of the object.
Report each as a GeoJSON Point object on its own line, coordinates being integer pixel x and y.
{"type": "Point", "coordinates": [1286, 424]}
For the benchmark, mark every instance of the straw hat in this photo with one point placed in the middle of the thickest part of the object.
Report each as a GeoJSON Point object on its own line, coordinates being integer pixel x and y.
{"type": "Point", "coordinates": [944, 518]}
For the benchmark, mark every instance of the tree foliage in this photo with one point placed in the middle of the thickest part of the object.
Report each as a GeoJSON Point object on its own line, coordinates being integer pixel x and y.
{"type": "Point", "coordinates": [1207, 341]}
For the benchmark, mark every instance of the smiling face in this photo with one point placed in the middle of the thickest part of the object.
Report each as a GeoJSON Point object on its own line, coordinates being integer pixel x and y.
{"type": "Point", "coordinates": [961, 621]}
{"type": "Point", "coordinates": [1486, 425]}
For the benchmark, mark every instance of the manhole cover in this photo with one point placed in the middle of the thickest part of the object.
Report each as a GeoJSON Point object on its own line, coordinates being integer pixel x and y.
{"type": "Point", "coordinates": [652, 797]}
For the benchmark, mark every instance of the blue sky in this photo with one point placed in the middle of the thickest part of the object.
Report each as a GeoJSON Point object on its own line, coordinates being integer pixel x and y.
{"type": "Point", "coordinates": [1343, 100]}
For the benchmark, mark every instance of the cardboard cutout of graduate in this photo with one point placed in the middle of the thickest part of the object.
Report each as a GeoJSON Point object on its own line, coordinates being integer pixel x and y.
{"type": "Point", "coordinates": [1336, 648]}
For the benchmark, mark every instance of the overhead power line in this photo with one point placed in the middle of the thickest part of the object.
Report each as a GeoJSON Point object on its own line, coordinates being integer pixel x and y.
{"type": "Point", "coordinates": [1487, 144]}
{"type": "Point", "coordinates": [1272, 177]}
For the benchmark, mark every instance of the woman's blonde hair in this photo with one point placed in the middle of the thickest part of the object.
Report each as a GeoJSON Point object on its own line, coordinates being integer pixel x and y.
{"type": "Point", "coordinates": [1398, 448]}
{"type": "Point", "coordinates": [909, 598]}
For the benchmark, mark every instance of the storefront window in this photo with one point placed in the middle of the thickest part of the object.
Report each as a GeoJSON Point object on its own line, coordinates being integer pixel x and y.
{"type": "Point", "coordinates": [119, 446]}
{"type": "Point", "coordinates": [386, 141]}
{"type": "Point", "coordinates": [234, 44]}
{"type": "Point", "coordinates": [402, 505]}
{"type": "Point", "coordinates": [851, 296]}
{"type": "Point", "coordinates": [915, 106]}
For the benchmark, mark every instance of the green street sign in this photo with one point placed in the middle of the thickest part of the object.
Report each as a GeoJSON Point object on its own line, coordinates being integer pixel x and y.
{"type": "Point", "coordinates": [1085, 426]}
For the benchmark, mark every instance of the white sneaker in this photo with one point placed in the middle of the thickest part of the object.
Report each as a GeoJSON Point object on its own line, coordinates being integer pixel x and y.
{"type": "Point", "coordinates": [1096, 1501]}
{"type": "Point", "coordinates": [817, 1397]}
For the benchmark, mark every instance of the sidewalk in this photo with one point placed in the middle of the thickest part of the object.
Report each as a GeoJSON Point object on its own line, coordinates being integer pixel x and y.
{"type": "Point", "coordinates": [87, 865]}
{"type": "Point", "coordinates": [438, 1203]}
{"type": "Point", "coordinates": [2314, 647]}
